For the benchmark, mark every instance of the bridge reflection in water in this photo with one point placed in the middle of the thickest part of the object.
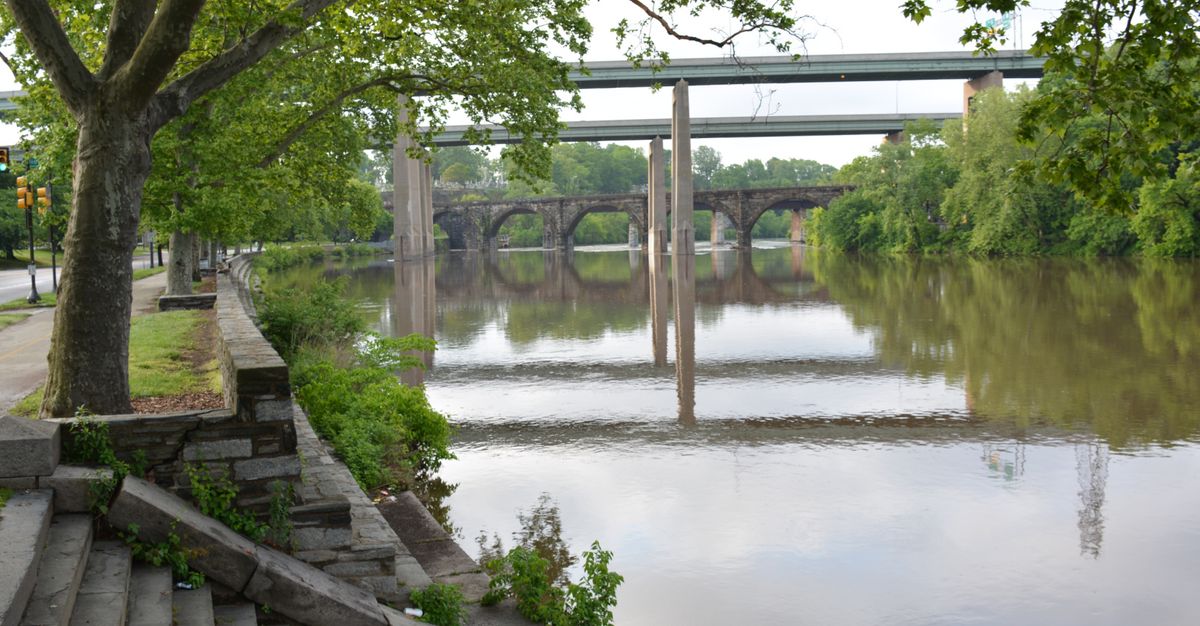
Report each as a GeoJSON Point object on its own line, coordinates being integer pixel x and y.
{"type": "Point", "coordinates": [871, 401]}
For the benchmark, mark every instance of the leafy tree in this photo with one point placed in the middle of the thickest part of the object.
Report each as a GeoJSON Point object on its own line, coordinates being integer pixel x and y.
{"type": "Point", "coordinates": [1168, 220]}
{"type": "Point", "coordinates": [1125, 88]}
{"type": "Point", "coordinates": [706, 162]}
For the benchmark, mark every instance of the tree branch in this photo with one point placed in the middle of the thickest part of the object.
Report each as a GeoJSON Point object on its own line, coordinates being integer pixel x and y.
{"type": "Point", "coordinates": [50, 43]}
{"type": "Point", "coordinates": [176, 97]}
{"type": "Point", "coordinates": [126, 26]}
{"type": "Point", "coordinates": [168, 36]}
{"type": "Point", "coordinates": [396, 83]}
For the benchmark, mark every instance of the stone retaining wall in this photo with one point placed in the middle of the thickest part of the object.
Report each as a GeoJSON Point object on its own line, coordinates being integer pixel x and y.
{"type": "Point", "coordinates": [253, 439]}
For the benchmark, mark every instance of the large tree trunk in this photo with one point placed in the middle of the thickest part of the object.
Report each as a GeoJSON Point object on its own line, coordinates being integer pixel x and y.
{"type": "Point", "coordinates": [89, 348]}
{"type": "Point", "coordinates": [212, 254]}
{"type": "Point", "coordinates": [179, 274]}
{"type": "Point", "coordinates": [195, 257]}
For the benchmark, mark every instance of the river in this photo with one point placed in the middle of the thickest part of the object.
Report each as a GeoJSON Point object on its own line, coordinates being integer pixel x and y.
{"type": "Point", "coordinates": [794, 436]}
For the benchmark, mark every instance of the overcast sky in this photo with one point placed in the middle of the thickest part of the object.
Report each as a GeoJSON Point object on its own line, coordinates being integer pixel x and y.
{"type": "Point", "coordinates": [853, 26]}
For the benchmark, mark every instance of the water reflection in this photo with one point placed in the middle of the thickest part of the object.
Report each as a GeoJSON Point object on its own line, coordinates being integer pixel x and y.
{"type": "Point", "coordinates": [842, 439]}
{"type": "Point", "coordinates": [414, 310]}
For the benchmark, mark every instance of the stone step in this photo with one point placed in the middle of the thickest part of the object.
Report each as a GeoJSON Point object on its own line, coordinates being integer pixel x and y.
{"type": "Point", "coordinates": [60, 572]}
{"type": "Point", "coordinates": [150, 596]}
{"type": "Point", "coordinates": [104, 595]}
{"type": "Point", "coordinates": [235, 615]}
{"type": "Point", "coordinates": [28, 447]}
{"type": "Point", "coordinates": [193, 607]}
{"type": "Point", "coordinates": [24, 527]}
{"type": "Point", "coordinates": [262, 575]}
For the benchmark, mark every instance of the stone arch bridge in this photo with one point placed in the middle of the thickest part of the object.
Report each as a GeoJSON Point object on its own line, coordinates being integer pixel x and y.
{"type": "Point", "coordinates": [475, 225]}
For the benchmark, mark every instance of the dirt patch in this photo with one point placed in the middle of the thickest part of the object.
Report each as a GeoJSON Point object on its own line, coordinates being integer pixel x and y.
{"type": "Point", "coordinates": [208, 284]}
{"type": "Point", "coordinates": [206, 342]}
{"type": "Point", "coordinates": [183, 402]}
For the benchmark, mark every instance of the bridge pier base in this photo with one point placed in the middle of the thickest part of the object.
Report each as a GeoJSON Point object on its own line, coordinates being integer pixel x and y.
{"type": "Point", "coordinates": [635, 236]}
{"type": "Point", "coordinates": [743, 238]}
{"type": "Point", "coordinates": [796, 233]}
{"type": "Point", "coordinates": [683, 232]}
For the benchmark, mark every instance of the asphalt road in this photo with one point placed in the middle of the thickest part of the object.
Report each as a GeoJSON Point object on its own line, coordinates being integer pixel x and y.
{"type": "Point", "coordinates": [24, 345]}
{"type": "Point", "coordinates": [15, 283]}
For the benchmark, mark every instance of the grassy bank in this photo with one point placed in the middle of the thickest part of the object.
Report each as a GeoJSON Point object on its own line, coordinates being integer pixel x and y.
{"type": "Point", "coordinates": [171, 364]}
{"type": "Point", "coordinates": [48, 300]}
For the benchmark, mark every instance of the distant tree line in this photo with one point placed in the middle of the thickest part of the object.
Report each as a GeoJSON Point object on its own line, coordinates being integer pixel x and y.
{"type": "Point", "coordinates": [974, 187]}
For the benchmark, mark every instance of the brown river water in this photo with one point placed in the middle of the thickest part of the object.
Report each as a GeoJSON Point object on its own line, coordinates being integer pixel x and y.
{"type": "Point", "coordinates": [793, 436]}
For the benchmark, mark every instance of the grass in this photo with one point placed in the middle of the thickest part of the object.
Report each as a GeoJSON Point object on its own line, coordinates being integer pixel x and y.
{"type": "Point", "coordinates": [147, 272]}
{"type": "Point", "coordinates": [5, 494]}
{"type": "Point", "coordinates": [157, 344]}
{"type": "Point", "coordinates": [158, 365]}
{"type": "Point", "coordinates": [48, 300]}
{"type": "Point", "coordinates": [8, 319]}
{"type": "Point", "coordinates": [41, 257]}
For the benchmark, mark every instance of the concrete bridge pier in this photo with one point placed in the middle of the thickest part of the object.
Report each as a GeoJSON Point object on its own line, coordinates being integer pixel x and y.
{"type": "Point", "coordinates": [796, 233]}
{"type": "Point", "coordinates": [656, 201]}
{"type": "Point", "coordinates": [412, 197]}
{"type": "Point", "coordinates": [635, 236]}
{"type": "Point", "coordinates": [976, 85]}
{"type": "Point", "coordinates": [683, 231]}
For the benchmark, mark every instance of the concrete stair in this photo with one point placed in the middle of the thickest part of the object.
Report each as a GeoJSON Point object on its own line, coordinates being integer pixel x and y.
{"type": "Point", "coordinates": [65, 579]}
{"type": "Point", "coordinates": [193, 607]}
{"type": "Point", "coordinates": [150, 604]}
{"type": "Point", "coordinates": [24, 528]}
{"type": "Point", "coordinates": [103, 597]}
{"type": "Point", "coordinates": [60, 573]}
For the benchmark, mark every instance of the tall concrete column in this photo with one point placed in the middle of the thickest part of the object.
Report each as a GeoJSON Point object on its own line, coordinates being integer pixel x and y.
{"type": "Point", "coordinates": [427, 208]}
{"type": "Point", "coordinates": [656, 207]}
{"type": "Point", "coordinates": [405, 195]}
{"type": "Point", "coordinates": [635, 236]}
{"type": "Point", "coordinates": [683, 232]}
{"type": "Point", "coordinates": [796, 234]}
{"type": "Point", "coordinates": [976, 85]}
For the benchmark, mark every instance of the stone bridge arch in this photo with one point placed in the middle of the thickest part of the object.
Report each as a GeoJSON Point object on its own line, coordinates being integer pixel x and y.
{"type": "Point", "coordinates": [574, 213]}
{"type": "Point", "coordinates": [460, 227]}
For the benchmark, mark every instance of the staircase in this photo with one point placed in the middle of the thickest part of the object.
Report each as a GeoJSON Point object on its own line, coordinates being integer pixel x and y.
{"type": "Point", "coordinates": [67, 579]}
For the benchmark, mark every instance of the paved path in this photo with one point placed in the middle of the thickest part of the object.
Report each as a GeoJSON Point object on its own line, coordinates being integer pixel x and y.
{"type": "Point", "coordinates": [24, 345]}
{"type": "Point", "coordinates": [15, 283]}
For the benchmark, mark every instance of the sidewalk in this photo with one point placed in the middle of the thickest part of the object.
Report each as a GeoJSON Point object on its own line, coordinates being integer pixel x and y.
{"type": "Point", "coordinates": [24, 345]}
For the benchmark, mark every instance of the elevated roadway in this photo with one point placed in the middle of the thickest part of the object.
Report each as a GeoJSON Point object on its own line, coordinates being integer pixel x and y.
{"type": "Point", "coordinates": [816, 68]}
{"type": "Point", "coordinates": [714, 127]}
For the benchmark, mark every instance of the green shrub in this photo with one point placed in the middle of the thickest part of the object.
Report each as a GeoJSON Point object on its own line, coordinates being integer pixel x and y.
{"type": "Point", "coordinates": [276, 258]}
{"type": "Point", "coordinates": [318, 316]}
{"type": "Point", "coordinates": [442, 604]}
{"type": "Point", "coordinates": [524, 575]}
{"type": "Point", "coordinates": [385, 432]}
{"type": "Point", "coordinates": [216, 496]}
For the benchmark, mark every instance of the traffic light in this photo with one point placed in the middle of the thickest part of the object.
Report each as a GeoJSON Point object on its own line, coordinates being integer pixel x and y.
{"type": "Point", "coordinates": [21, 189]}
{"type": "Point", "coordinates": [3, 159]}
{"type": "Point", "coordinates": [43, 200]}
